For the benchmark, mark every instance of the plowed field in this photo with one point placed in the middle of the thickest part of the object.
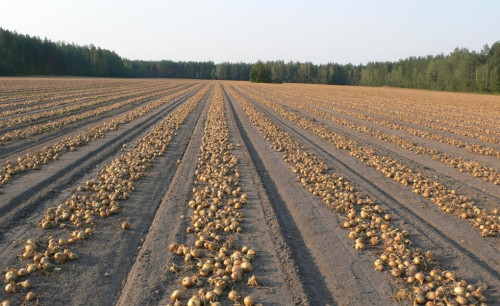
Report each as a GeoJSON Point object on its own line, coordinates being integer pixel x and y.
{"type": "Point", "coordinates": [184, 192]}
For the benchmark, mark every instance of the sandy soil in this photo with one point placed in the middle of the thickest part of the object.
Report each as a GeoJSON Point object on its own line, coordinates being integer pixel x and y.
{"type": "Point", "coordinates": [304, 255]}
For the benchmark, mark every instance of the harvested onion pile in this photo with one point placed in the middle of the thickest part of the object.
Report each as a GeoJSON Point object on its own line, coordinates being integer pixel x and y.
{"type": "Point", "coordinates": [214, 261]}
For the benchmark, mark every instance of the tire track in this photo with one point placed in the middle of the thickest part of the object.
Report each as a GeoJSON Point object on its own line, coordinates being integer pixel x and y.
{"type": "Point", "coordinates": [271, 203]}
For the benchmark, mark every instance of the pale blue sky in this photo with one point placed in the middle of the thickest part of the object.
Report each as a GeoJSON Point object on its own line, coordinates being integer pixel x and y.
{"type": "Point", "coordinates": [222, 30]}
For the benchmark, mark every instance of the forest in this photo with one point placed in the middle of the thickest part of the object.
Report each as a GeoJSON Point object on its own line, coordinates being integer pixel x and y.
{"type": "Point", "coordinates": [461, 70]}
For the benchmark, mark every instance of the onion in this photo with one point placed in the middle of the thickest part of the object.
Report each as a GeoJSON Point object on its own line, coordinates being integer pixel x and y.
{"type": "Point", "coordinates": [396, 272]}
{"type": "Point", "coordinates": [59, 257]}
{"type": "Point", "coordinates": [459, 290]}
{"type": "Point", "coordinates": [11, 288]}
{"type": "Point", "coordinates": [187, 282]}
{"type": "Point", "coordinates": [30, 296]}
{"type": "Point", "coordinates": [248, 301]}
{"type": "Point", "coordinates": [26, 284]}
{"type": "Point", "coordinates": [360, 246]}
{"type": "Point", "coordinates": [218, 291]}
{"type": "Point", "coordinates": [431, 295]}
{"type": "Point", "coordinates": [246, 266]}
{"type": "Point", "coordinates": [173, 247]}
{"type": "Point", "coordinates": [45, 263]}
{"type": "Point", "coordinates": [27, 255]}
{"type": "Point", "coordinates": [196, 253]}
{"type": "Point", "coordinates": [449, 275]}
{"type": "Point", "coordinates": [125, 225]}
{"type": "Point", "coordinates": [420, 277]}
{"type": "Point", "coordinates": [30, 247]}
{"type": "Point", "coordinates": [233, 296]}
{"type": "Point", "coordinates": [176, 295]}
{"type": "Point", "coordinates": [31, 268]}
{"type": "Point", "coordinates": [11, 275]}
{"type": "Point", "coordinates": [72, 256]}
{"type": "Point", "coordinates": [194, 301]}
{"type": "Point", "coordinates": [420, 299]}
{"type": "Point", "coordinates": [47, 224]}
{"type": "Point", "coordinates": [5, 303]}
{"type": "Point", "coordinates": [237, 276]}
{"type": "Point", "coordinates": [417, 261]}
{"type": "Point", "coordinates": [211, 296]}
{"type": "Point", "coordinates": [461, 300]}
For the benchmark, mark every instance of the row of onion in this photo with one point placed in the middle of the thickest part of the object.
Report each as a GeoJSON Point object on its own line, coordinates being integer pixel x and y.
{"type": "Point", "coordinates": [214, 264]}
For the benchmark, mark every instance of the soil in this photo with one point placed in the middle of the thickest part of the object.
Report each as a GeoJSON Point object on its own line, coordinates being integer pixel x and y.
{"type": "Point", "coordinates": [304, 255]}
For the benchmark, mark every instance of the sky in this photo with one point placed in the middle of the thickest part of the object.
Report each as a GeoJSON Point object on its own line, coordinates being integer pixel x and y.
{"type": "Point", "coordinates": [342, 32]}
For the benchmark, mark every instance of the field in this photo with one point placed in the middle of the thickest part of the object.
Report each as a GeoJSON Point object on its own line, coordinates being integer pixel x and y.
{"type": "Point", "coordinates": [181, 192]}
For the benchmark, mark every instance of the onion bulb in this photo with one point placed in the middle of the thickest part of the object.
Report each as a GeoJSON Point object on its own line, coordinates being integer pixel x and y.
{"type": "Point", "coordinates": [420, 299]}
{"type": "Point", "coordinates": [211, 296]}
{"type": "Point", "coordinates": [420, 277]}
{"type": "Point", "coordinates": [11, 275]}
{"type": "Point", "coordinates": [233, 296]}
{"type": "Point", "coordinates": [30, 296]}
{"type": "Point", "coordinates": [31, 268]}
{"type": "Point", "coordinates": [187, 282]}
{"type": "Point", "coordinates": [248, 301]}
{"type": "Point", "coordinates": [176, 295]}
{"type": "Point", "coordinates": [5, 303]}
{"type": "Point", "coordinates": [26, 284]}
{"type": "Point", "coordinates": [194, 301]}
{"type": "Point", "coordinates": [246, 266]}
{"type": "Point", "coordinates": [11, 288]}
{"type": "Point", "coordinates": [218, 291]}
{"type": "Point", "coordinates": [125, 225]}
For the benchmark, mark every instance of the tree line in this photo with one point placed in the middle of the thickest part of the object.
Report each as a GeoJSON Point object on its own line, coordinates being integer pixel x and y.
{"type": "Point", "coordinates": [461, 70]}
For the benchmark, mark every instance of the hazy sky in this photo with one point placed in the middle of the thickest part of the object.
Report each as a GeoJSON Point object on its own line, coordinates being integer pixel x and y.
{"type": "Point", "coordinates": [222, 30]}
